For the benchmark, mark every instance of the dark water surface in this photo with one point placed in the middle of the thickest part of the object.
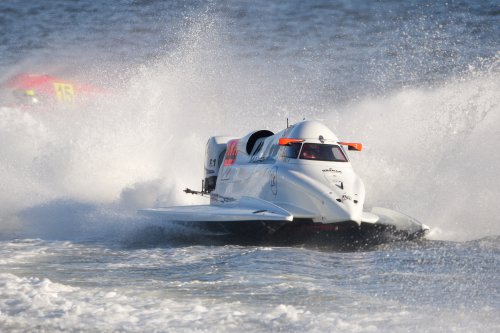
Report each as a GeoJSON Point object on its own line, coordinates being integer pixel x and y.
{"type": "Point", "coordinates": [90, 286]}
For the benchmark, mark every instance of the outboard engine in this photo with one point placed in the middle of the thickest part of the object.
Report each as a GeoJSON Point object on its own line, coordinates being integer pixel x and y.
{"type": "Point", "coordinates": [214, 157]}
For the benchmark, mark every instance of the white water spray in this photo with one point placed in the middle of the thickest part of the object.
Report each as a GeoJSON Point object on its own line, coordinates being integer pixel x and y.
{"type": "Point", "coordinates": [428, 153]}
{"type": "Point", "coordinates": [431, 153]}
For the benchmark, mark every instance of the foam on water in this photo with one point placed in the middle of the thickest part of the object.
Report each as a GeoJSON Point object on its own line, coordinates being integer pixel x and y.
{"type": "Point", "coordinates": [231, 289]}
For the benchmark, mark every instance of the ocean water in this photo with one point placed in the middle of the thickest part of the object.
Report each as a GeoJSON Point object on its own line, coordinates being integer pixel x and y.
{"type": "Point", "coordinates": [416, 82]}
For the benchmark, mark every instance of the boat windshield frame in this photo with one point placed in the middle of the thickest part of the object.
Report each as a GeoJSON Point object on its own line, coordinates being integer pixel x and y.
{"type": "Point", "coordinates": [312, 151]}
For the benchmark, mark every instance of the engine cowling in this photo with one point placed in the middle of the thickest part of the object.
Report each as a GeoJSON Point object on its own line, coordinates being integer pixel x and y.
{"type": "Point", "coordinates": [214, 157]}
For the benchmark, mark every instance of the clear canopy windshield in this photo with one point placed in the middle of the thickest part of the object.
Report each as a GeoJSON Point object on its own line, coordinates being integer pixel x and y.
{"type": "Point", "coordinates": [316, 151]}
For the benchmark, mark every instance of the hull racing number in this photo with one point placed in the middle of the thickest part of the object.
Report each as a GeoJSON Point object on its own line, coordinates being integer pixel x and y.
{"type": "Point", "coordinates": [65, 92]}
{"type": "Point", "coordinates": [231, 152]}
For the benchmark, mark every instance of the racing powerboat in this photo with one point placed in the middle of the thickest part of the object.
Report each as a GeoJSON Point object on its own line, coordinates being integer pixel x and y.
{"type": "Point", "coordinates": [293, 187]}
{"type": "Point", "coordinates": [31, 91]}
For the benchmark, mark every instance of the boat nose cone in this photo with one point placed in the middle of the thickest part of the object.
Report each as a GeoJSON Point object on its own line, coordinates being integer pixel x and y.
{"type": "Point", "coordinates": [344, 209]}
{"type": "Point", "coordinates": [354, 212]}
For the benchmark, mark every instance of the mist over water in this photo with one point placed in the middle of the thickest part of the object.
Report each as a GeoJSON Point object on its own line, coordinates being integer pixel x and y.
{"type": "Point", "coordinates": [427, 152]}
{"type": "Point", "coordinates": [140, 145]}
{"type": "Point", "coordinates": [144, 142]}
{"type": "Point", "coordinates": [416, 82]}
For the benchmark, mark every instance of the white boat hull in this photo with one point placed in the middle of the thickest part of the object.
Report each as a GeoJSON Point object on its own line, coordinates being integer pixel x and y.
{"type": "Point", "coordinates": [295, 186]}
